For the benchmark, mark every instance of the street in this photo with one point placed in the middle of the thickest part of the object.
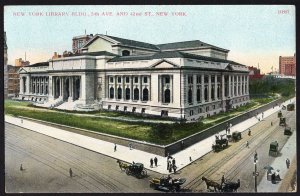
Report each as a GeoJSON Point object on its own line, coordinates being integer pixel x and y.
{"type": "Point", "coordinates": [46, 162]}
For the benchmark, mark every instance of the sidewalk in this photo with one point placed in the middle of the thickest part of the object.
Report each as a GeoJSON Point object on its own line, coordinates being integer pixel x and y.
{"type": "Point", "coordinates": [125, 154]}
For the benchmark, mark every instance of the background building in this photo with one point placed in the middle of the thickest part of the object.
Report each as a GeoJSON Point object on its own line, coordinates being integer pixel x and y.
{"type": "Point", "coordinates": [287, 65]}
{"type": "Point", "coordinates": [79, 41]}
{"type": "Point", "coordinates": [20, 63]}
{"type": "Point", "coordinates": [5, 68]}
{"type": "Point", "coordinates": [254, 73]}
{"type": "Point", "coordinates": [13, 83]}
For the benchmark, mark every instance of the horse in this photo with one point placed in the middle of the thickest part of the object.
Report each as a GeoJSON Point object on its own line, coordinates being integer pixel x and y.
{"type": "Point", "coordinates": [210, 183]}
{"type": "Point", "coordinates": [231, 186]}
{"type": "Point", "coordinates": [123, 166]}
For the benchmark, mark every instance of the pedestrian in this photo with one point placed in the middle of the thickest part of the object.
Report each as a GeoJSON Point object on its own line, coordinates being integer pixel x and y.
{"type": "Point", "coordinates": [271, 123]}
{"type": "Point", "coordinates": [247, 144]}
{"type": "Point", "coordinates": [249, 132]}
{"type": "Point", "coordinates": [71, 172]}
{"type": "Point", "coordinates": [22, 121]}
{"type": "Point", "coordinates": [115, 148]}
{"type": "Point", "coordinates": [21, 168]}
{"type": "Point", "coordinates": [170, 167]}
{"type": "Point", "coordinates": [258, 119]}
{"type": "Point", "coordinates": [182, 145]}
{"type": "Point", "coordinates": [228, 130]}
{"type": "Point", "coordinates": [262, 115]}
{"type": "Point", "coordinates": [151, 162]}
{"type": "Point", "coordinates": [173, 161]}
{"type": "Point", "coordinates": [255, 156]}
{"type": "Point", "coordinates": [155, 161]}
{"type": "Point", "coordinates": [130, 146]}
{"type": "Point", "coordinates": [190, 159]}
{"type": "Point", "coordinates": [174, 168]}
{"type": "Point", "coordinates": [287, 163]}
{"type": "Point", "coordinates": [168, 164]}
{"type": "Point", "coordinates": [222, 180]}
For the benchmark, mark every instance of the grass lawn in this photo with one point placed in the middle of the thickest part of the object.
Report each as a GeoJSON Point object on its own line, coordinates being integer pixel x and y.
{"type": "Point", "coordinates": [150, 132]}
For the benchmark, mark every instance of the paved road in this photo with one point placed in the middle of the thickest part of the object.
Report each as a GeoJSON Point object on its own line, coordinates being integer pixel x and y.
{"type": "Point", "coordinates": [236, 162]}
{"type": "Point", "coordinates": [47, 161]}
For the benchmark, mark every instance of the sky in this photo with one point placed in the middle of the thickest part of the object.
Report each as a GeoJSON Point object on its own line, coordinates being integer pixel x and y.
{"type": "Point", "coordinates": [256, 35]}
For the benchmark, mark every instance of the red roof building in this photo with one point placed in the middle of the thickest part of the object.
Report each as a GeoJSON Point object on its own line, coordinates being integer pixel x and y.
{"type": "Point", "coordinates": [287, 65]}
{"type": "Point", "coordinates": [254, 73]}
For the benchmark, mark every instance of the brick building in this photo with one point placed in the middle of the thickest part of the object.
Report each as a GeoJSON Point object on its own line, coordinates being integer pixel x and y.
{"type": "Point", "coordinates": [79, 41]}
{"type": "Point", "coordinates": [287, 65]}
{"type": "Point", "coordinates": [254, 73]}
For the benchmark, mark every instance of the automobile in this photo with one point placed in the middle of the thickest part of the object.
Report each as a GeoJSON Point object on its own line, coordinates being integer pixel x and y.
{"type": "Point", "coordinates": [287, 131]}
{"type": "Point", "coordinates": [282, 121]}
{"type": "Point", "coordinates": [273, 151]}
{"type": "Point", "coordinates": [290, 107]}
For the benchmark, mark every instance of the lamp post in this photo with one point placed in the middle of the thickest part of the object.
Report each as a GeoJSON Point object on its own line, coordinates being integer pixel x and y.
{"type": "Point", "coordinates": [255, 173]}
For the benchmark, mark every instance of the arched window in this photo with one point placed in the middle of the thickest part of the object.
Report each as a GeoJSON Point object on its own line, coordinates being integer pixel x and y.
{"type": "Point", "coordinates": [125, 53]}
{"type": "Point", "coordinates": [145, 94]}
{"type": "Point", "coordinates": [119, 93]}
{"type": "Point", "coordinates": [198, 95]}
{"type": "Point", "coordinates": [127, 92]}
{"type": "Point", "coordinates": [111, 92]}
{"type": "Point", "coordinates": [190, 96]}
{"type": "Point", "coordinates": [136, 94]}
{"type": "Point", "coordinates": [205, 94]}
{"type": "Point", "coordinates": [167, 96]}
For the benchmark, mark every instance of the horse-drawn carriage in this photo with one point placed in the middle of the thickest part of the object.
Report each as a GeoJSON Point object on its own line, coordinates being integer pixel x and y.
{"type": "Point", "coordinates": [279, 115]}
{"type": "Point", "coordinates": [221, 142]}
{"type": "Point", "coordinates": [167, 183]}
{"type": "Point", "coordinates": [135, 169]}
{"type": "Point", "coordinates": [227, 186]}
{"type": "Point", "coordinates": [282, 121]}
{"type": "Point", "coordinates": [291, 107]}
{"type": "Point", "coordinates": [287, 131]}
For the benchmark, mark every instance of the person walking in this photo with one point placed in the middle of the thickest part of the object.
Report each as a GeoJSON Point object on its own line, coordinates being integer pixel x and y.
{"type": "Point", "coordinates": [155, 161]}
{"type": "Point", "coordinates": [71, 172]}
{"type": "Point", "coordinates": [130, 146]}
{"type": "Point", "coordinates": [21, 168]}
{"type": "Point", "coordinates": [288, 162]}
{"type": "Point", "coordinates": [262, 115]}
{"type": "Point", "coordinates": [174, 168]}
{"type": "Point", "coordinates": [247, 144]}
{"type": "Point", "coordinates": [168, 164]}
{"type": "Point", "coordinates": [222, 180]}
{"type": "Point", "coordinates": [173, 161]}
{"type": "Point", "coordinates": [151, 162]}
{"type": "Point", "coordinates": [249, 132]}
{"type": "Point", "coordinates": [271, 123]}
{"type": "Point", "coordinates": [190, 159]}
{"type": "Point", "coordinates": [115, 148]}
{"type": "Point", "coordinates": [170, 167]}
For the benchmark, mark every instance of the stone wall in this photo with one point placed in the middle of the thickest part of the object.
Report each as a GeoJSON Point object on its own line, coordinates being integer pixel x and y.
{"type": "Point", "coordinates": [171, 148]}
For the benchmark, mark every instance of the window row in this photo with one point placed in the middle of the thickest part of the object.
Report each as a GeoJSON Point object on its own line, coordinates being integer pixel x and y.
{"type": "Point", "coordinates": [127, 79]}
{"type": "Point", "coordinates": [198, 94]}
{"type": "Point", "coordinates": [136, 94]}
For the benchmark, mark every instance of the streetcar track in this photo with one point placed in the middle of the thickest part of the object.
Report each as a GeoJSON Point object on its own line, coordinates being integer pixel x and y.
{"type": "Point", "coordinates": [212, 169]}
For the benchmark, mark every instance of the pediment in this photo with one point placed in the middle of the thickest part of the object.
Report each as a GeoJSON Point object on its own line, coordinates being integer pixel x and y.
{"type": "Point", "coordinates": [164, 64]}
{"type": "Point", "coordinates": [229, 67]}
{"type": "Point", "coordinates": [22, 70]}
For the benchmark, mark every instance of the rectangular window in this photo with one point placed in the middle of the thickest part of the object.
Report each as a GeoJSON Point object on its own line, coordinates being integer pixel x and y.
{"type": "Point", "coordinates": [125, 108]}
{"type": "Point", "coordinates": [117, 107]}
{"type": "Point", "coordinates": [111, 79]}
{"type": "Point", "coordinates": [109, 106]}
{"type": "Point", "coordinates": [145, 79]}
{"type": "Point", "coordinates": [119, 79]}
{"type": "Point", "coordinates": [167, 80]}
{"type": "Point", "coordinates": [198, 79]}
{"type": "Point", "coordinates": [136, 79]}
{"type": "Point", "coordinates": [133, 109]}
{"type": "Point", "coordinates": [190, 79]}
{"type": "Point", "coordinates": [205, 79]}
{"type": "Point", "coordinates": [127, 79]}
{"type": "Point", "coordinates": [143, 110]}
{"type": "Point", "coordinates": [214, 107]}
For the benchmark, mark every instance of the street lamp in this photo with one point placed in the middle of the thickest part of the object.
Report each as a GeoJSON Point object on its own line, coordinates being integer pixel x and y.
{"type": "Point", "coordinates": [255, 173]}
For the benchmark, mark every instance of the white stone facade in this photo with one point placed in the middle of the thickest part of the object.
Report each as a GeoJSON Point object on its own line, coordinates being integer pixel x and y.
{"type": "Point", "coordinates": [169, 83]}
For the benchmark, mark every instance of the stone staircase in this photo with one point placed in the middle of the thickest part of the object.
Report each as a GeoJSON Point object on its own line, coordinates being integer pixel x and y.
{"type": "Point", "coordinates": [68, 105]}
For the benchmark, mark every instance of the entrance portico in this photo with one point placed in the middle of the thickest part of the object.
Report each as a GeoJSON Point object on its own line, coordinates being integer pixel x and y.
{"type": "Point", "coordinates": [67, 88]}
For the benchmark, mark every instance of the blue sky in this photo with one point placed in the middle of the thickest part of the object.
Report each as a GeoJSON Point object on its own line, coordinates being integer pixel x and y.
{"type": "Point", "coordinates": [253, 34]}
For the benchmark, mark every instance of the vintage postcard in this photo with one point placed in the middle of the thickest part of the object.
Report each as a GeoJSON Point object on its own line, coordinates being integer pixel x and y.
{"type": "Point", "coordinates": [150, 98]}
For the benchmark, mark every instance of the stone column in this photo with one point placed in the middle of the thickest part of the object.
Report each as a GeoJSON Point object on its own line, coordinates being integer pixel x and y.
{"type": "Point", "coordinates": [244, 80]}
{"type": "Point", "coordinates": [194, 89]}
{"type": "Point", "coordinates": [141, 87]}
{"type": "Point", "coordinates": [209, 88]}
{"type": "Point", "coordinates": [70, 98]}
{"type": "Point", "coordinates": [202, 89]}
{"type": "Point", "coordinates": [21, 85]}
{"type": "Point", "coordinates": [27, 84]}
{"type": "Point", "coordinates": [216, 88]}
{"type": "Point", "coordinates": [223, 87]}
{"type": "Point", "coordinates": [241, 84]}
{"type": "Point", "coordinates": [247, 84]}
{"type": "Point", "coordinates": [229, 86]}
